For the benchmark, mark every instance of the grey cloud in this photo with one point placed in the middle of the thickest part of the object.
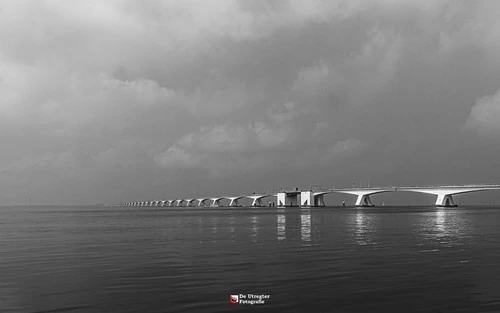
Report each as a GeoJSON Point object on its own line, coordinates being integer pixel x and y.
{"type": "Point", "coordinates": [107, 100]}
{"type": "Point", "coordinates": [485, 115]}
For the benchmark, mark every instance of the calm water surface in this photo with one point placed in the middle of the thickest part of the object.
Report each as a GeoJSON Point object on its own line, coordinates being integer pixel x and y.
{"type": "Point", "coordinates": [91, 259]}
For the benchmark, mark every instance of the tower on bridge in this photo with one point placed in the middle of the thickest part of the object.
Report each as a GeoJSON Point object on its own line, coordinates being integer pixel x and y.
{"type": "Point", "coordinates": [310, 198]}
{"type": "Point", "coordinates": [288, 198]}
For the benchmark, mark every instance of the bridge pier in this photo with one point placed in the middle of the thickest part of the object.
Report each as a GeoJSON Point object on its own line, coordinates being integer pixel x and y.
{"type": "Point", "coordinates": [312, 199]}
{"type": "Point", "coordinates": [306, 199]}
{"type": "Point", "coordinates": [445, 200]}
{"type": "Point", "coordinates": [364, 200]}
{"type": "Point", "coordinates": [257, 200]}
{"type": "Point", "coordinates": [319, 200]}
{"type": "Point", "coordinates": [201, 202]}
{"type": "Point", "coordinates": [234, 201]}
{"type": "Point", "coordinates": [216, 202]}
{"type": "Point", "coordinates": [288, 199]}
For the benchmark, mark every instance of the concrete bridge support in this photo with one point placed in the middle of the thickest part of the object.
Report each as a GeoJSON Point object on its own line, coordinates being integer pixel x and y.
{"type": "Point", "coordinates": [445, 200]}
{"type": "Point", "coordinates": [189, 202]}
{"type": "Point", "coordinates": [234, 201]}
{"type": "Point", "coordinates": [202, 201]}
{"type": "Point", "coordinates": [364, 200]}
{"type": "Point", "coordinates": [306, 199]}
{"type": "Point", "coordinates": [216, 202]}
{"type": "Point", "coordinates": [257, 200]}
{"type": "Point", "coordinates": [288, 199]}
{"type": "Point", "coordinates": [319, 200]}
{"type": "Point", "coordinates": [179, 202]}
{"type": "Point", "coordinates": [312, 199]}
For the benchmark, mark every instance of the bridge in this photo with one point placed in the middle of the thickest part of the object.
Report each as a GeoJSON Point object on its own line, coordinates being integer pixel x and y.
{"type": "Point", "coordinates": [315, 198]}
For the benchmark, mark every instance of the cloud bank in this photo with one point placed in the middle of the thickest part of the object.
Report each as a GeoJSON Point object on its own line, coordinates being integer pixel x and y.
{"type": "Point", "coordinates": [130, 100]}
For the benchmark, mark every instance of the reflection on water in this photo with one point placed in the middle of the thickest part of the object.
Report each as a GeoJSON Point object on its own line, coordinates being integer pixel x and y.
{"type": "Point", "coordinates": [305, 225]}
{"type": "Point", "coordinates": [440, 226]}
{"type": "Point", "coordinates": [363, 228]}
{"type": "Point", "coordinates": [213, 227]}
{"type": "Point", "coordinates": [231, 226]}
{"type": "Point", "coordinates": [281, 224]}
{"type": "Point", "coordinates": [214, 224]}
{"type": "Point", "coordinates": [445, 227]}
{"type": "Point", "coordinates": [255, 227]}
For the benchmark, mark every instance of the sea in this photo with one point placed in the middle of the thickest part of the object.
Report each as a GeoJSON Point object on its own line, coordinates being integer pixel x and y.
{"type": "Point", "coordinates": [177, 259]}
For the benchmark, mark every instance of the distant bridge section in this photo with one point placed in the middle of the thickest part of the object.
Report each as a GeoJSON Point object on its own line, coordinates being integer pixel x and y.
{"type": "Point", "coordinates": [363, 194]}
{"type": "Point", "coordinates": [445, 193]}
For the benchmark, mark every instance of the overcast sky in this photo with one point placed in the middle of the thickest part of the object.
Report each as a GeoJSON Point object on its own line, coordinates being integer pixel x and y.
{"type": "Point", "coordinates": [104, 101]}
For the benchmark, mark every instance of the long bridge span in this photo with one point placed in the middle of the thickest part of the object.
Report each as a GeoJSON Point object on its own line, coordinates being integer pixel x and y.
{"type": "Point", "coordinates": [315, 198]}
